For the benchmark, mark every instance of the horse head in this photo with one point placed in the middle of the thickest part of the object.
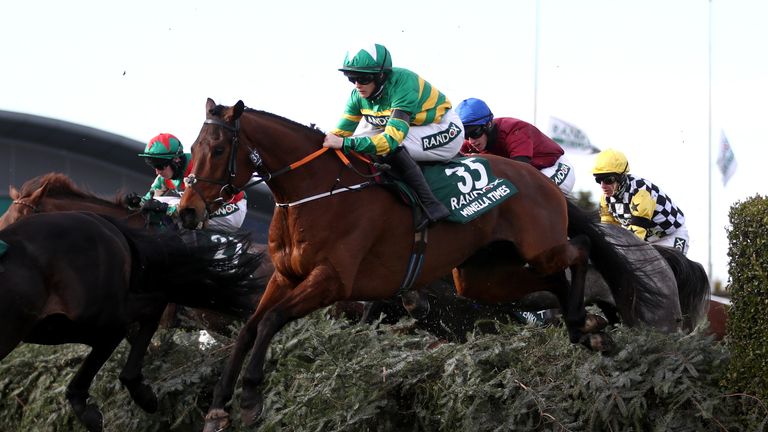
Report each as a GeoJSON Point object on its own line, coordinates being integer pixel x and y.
{"type": "Point", "coordinates": [233, 144]}
{"type": "Point", "coordinates": [215, 166]}
{"type": "Point", "coordinates": [21, 205]}
{"type": "Point", "coordinates": [57, 192]}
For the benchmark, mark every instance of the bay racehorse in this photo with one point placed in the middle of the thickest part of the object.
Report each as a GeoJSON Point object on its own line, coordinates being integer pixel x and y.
{"type": "Point", "coordinates": [77, 277]}
{"type": "Point", "coordinates": [54, 192]}
{"type": "Point", "coordinates": [336, 236]}
{"type": "Point", "coordinates": [677, 282]}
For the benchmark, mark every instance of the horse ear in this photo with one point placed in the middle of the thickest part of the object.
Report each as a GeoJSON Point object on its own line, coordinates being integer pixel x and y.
{"type": "Point", "coordinates": [38, 194]}
{"type": "Point", "coordinates": [13, 192]}
{"type": "Point", "coordinates": [209, 105]}
{"type": "Point", "coordinates": [237, 110]}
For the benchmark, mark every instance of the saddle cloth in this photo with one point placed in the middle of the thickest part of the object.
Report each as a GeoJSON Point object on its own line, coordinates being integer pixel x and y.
{"type": "Point", "coordinates": [467, 187]}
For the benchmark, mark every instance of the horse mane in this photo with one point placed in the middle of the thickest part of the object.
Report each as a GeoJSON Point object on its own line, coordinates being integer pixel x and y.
{"type": "Point", "coordinates": [59, 185]}
{"type": "Point", "coordinates": [217, 110]}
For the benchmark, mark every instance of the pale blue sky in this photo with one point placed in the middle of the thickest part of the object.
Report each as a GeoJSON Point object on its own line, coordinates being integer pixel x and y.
{"type": "Point", "coordinates": [632, 75]}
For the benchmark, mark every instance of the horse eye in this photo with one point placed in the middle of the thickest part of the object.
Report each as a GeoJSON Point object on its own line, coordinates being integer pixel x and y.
{"type": "Point", "coordinates": [218, 151]}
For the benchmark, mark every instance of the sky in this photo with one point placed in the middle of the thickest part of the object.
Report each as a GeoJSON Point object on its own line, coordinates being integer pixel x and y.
{"type": "Point", "coordinates": [656, 79]}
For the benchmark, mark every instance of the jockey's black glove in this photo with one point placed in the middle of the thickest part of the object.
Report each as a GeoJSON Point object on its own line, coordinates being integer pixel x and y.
{"type": "Point", "coordinates": [154, 206]}
{"type": "Point", "coordinates": [132, 201]}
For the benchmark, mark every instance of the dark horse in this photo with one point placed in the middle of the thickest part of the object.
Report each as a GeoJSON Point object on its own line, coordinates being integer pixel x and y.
{"type": "Point", "coordinates": [331, 238]}
{"type": "Point", "coordinates": [676, 281]}
{"type": "Point", "coordinates": [77, 277]}
{"type": "Point", "coordinates": [57, 192]}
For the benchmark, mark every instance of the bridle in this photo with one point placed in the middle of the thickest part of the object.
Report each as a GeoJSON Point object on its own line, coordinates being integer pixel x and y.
{"type": "Point", "coordinates": [228, 186]}
{"type": "Point", "coordinates": [26, 204]}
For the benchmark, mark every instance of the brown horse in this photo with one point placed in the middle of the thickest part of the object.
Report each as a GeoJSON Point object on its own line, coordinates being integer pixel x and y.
{"type": "Point", "coordinates": [57, 192]}
{"type": "Point", "coordinates": [336, 236]}
{"type": "Point", "coordinates": [53, 192]}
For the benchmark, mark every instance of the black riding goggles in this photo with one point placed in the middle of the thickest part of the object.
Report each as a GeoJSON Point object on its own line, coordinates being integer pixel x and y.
{"type": "Point", "coordinates": [475, 132]}
{"type": "Point", "coordinates": [362, 79]}
{"type": "Point", "coordinates": [158, 164]}
{"type": "Point", "coordinates": [607, 178]}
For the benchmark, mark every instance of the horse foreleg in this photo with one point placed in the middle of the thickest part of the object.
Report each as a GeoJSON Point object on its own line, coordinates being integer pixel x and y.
{"type": "Point", "coordinates": [312, 294]}
{"type": "Point", "coordinates": [217, 418]}
{"type": "Point", "coordinates": [77, 390]}
{"type": "Point", "coordinates": [131, 375]}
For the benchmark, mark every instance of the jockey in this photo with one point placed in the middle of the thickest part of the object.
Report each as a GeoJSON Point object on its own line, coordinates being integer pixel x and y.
{"type": "Point", "coordinates": [171, 165]}
{"type": "Point", "coordinates": [637, 204]}
{"type": "Point", "coordinates": [514, 139]}
{"type": "Point", "coordinates": [404, 117]}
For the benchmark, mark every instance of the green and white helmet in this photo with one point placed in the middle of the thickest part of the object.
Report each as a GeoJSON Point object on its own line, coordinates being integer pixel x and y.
{"type": "Point", "coordinates": [163, 146]}
{"type": "Point", "coordinates": [371, 59]}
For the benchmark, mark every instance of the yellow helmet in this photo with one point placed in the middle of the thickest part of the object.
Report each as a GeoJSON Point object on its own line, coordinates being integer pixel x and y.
{"type": "Point", "coordinates": [611, 161]}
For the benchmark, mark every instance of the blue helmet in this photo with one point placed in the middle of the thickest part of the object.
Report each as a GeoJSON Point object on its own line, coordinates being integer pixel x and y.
{"type": "Point", "coordinates": [474, 112]}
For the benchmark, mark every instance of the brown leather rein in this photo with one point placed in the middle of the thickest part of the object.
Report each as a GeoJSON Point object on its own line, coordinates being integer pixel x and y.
{"type": "Point", "coordinates": [228, 188]}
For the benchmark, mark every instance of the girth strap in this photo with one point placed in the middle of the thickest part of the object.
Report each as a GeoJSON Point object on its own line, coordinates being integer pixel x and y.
{"type": "Point", "coordinates": [416, 261]}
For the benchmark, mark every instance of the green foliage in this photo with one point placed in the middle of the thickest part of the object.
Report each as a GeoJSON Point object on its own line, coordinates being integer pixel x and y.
{"type": "Point", "coordinates": [748, 321]}
{"type": "Point", "coordinates": [34, 381]}
{"type": "Point", "coordinates": [524, 378]}
{"type": "Point", "coordinates": [330, 375]}
{"type": "Point", "coordinates": [584, 200]}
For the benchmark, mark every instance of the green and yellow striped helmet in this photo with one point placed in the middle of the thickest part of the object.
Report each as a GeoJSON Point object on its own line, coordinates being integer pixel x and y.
{"type": "Point", "coordinates": [372, 59]}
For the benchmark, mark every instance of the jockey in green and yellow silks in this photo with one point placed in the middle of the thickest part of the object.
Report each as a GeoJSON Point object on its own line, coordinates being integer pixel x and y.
{"type": "Point", "coordinates": [403, 117]}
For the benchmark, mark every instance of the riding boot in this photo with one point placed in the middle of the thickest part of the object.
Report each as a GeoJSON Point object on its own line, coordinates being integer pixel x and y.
{"type": "Point", "coordinates": [411, 174]}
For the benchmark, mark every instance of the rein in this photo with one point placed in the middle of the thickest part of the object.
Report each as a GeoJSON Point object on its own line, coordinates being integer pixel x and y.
{"type": "Point", "coordinates": [265, 176]}
{"type": "Point", "coordinates": [420, 237]}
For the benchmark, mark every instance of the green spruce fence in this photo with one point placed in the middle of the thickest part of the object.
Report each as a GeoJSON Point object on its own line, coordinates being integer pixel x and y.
{"type": "Point", "coordinates": [748, 315]}
{"type": "Point", "coordinates": [331, 375]}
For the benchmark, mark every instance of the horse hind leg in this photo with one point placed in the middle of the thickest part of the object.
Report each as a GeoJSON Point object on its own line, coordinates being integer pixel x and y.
{"type": "Point", "coordinates": [77, 390]}
{"type": "Point", "coordinates": [131, 375]}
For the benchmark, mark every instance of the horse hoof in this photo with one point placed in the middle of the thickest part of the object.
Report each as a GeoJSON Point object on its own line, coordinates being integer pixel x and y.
{"type": "Point", "coordinates": [216, 421]}
{"type": "Point", "coordinates": [251, 411]}
{"type": "Point", "coordinates": [92, 419]}
{"type": "Point", "coordinates": [145, 398]}
{"type": "Point", "coordinates": [416, 304]}
{"type": "Point", "coordinates": [593, 324]}
{"type": "Point", "coordinates": [599, 342]}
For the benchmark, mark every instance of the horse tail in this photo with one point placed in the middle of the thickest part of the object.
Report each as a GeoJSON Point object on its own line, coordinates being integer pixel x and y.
{"type": "Point", "coordinates": [692, 286]}
{"type": "Point", "coordinates": [629, 283]}
{"type": "Point", "coordinates": [194, 270]}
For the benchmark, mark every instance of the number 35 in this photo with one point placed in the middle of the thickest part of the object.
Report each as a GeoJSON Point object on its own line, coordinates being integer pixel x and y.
{"type": "Point", "coordinates": [467, 183]}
